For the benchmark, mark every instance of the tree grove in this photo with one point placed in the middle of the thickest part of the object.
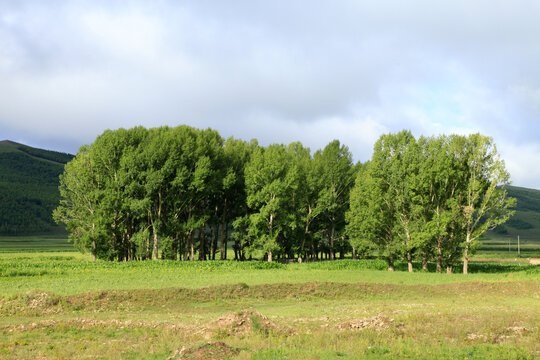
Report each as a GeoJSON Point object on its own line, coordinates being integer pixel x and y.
{"type": "Point", "coordinates": [185, 194]}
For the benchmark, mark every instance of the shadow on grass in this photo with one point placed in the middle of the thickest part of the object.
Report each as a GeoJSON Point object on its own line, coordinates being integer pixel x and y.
{"type": "Point", "coordinates": [478, 267]}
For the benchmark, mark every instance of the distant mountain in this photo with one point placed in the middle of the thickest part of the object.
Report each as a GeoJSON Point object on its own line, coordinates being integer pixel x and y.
{"type": "Point", "coordinates": [526, 221]}
{"type": "Point", "coordinates": [28, 188]}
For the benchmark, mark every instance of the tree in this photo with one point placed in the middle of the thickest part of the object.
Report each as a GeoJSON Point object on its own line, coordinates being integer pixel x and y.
{"type": "Point", "coordinates": [362, 222]}
{"type": "Point", "coordinates": [336, 174]}
{"type": "Point", "coordinates": [440, 178]}
{"type": "Point", "coordinates": [270, 180]}
{"type": "Point", "coordinates": [78, 204]}
{"type": "Point", "coordinates": [485, 204]}
{"type": "Point", "coordinates": [236, 156]}
{"type": "Point", "coordinates": [400, 152]}
{"type": "Point", "coordinates": [392, 192]}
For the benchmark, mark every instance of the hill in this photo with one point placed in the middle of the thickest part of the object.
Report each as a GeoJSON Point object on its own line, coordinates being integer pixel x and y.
{"type": "Point", "coordinates": [503, 241]}
{"type": "Point", "coordinates": [28, 188]}
{"type": "Point", "coordinates": [526, 221]}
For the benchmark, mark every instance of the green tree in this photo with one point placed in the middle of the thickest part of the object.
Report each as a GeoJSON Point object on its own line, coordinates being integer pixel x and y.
{"type": "Point", "coordinates": [362, 222]}
{"type": "Point", "coordinates": [336, 174]}
{"type": "Point", "coordinates": [485, 204]}
{"type": "Point", "coordinates": [79, 204]}
{"type": "Point", "coordinates": [236, 155]}
{"type": "Point", "coordinates": [441, 177]}
{"type": "Point", "coordinates": [270, 182]}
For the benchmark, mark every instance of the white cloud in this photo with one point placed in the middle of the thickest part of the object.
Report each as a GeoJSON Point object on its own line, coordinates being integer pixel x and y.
{"type": "Point", "coordinates": [278, 71]}
{"type": "Point", "coordinates": [523, 163]}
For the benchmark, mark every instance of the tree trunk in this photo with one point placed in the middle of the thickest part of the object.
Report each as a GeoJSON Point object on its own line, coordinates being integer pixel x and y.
{"type": "Point", "coordinates": [192, 246]}
{"type": "Point", "coordinates": [202, 243]}
{"type": "Point", "coordinates": [332, 253]}
{"type": "Point", "coordinates": [424, 263]}
{"type": "Point", "coordinates": [466, 260]}
{"type": "Point", "coordinates": [154, 229]}
{"type": "Point", "coordinates": [271, 223]}
{"type": "Point", "coordinates": [148, 254]}
{"type": "Point", "coordinates": [439, 255]}
{"type": "Point", "coordinates": [156, 245]}
{"type": "Point", "coordinates": [354, 253]}
{"type": "Point", "coordinates": [306, 233]}
{"type": "Point", "coordinates": [223, 247]}
{"type": "Point", "coordinates": [466, 254]}
{"type": "Point", "coordinates": [449, 269]}
{"type": "Point", "coordinates": [409, 261]}
{"type": "Point", "coordinates": [215, 244]}
{"type": "Point", "coordinates": [409, 255]}
{"type": "Point", "coordinates": [391, 263]}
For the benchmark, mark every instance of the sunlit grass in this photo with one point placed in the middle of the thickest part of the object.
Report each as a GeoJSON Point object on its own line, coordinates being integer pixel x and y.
{"type": "Point", "coordinates": [64, 305]}
{"type": "Point", "coordinates": [74, 273]}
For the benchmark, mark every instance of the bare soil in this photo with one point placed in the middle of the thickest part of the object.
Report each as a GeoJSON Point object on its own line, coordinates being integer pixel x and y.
{"type": "Point", "coordinates": [243, 323]}
{"type": "Point", "coordinates": [208, 351]}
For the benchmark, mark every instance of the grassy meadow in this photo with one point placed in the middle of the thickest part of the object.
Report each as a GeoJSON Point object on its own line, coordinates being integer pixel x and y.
{"type": "Point", "coordinates": [35, 243]}
{"type": "Point", "coordinates": [62, 305]}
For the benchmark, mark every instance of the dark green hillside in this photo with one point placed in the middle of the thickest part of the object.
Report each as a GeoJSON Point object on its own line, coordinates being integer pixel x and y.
{"type": "Point", "coordinates": [28, 188]}
{"type": "Point", "coordinates": [525, 223]}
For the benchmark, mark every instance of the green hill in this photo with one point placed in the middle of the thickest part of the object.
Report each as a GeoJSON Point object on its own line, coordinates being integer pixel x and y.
{"type": "Point", "coordinates": [526, 221]}
{"type": "Point", "coordinates": [503, 241]}
{"type": "Point", "coordinates": [28, 188]}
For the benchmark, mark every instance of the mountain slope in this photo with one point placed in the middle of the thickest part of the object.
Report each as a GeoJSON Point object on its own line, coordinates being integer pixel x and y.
{"type": "Point", "coordinates": [526, 221]}
{"type": "Point", "coordinates": [28, 188]}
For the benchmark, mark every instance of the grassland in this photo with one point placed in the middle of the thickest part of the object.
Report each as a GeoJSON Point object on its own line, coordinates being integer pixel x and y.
{"type": "Point", "coordinates": [35, 243]}
{"type": "Point", "coordinates": [63, 305]}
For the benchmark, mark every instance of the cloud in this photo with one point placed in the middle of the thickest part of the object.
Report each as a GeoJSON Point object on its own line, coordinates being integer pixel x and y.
{"type": "Point", "coordinates": [278, 71]}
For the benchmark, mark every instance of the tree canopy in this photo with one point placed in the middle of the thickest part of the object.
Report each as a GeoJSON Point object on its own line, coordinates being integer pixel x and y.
{"type": "Point", "coordinates": [184, 193]}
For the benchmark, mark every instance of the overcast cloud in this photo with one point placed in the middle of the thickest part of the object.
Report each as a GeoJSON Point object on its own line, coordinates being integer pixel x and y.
{"type": "Point", "coordinates": [278, 71]}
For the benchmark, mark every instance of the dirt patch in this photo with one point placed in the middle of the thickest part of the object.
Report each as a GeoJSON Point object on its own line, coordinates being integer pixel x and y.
{"type": "Point", "coordinates": [215, 350]}
{"type": "Point", "coordinates": [376, 323]}
{"type": "Point", "coordinates": [36, 302]}
{"type": "Point", "coordinates": [518, 330]}
{"type": "Point", "coordinates": [92, 323]}
{"type": "Point", "coordinates": [510, 333]}
{"type": "Point", "coordinates": [243, 323]}
{"type": "Point", "coordinates": [475, 337]}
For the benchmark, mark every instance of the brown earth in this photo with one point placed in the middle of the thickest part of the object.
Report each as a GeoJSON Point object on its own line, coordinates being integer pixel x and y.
{"type": "Point", "coordinates": [208, 351]}
{"type": "Point", "coordinates": [376, 323]}
{"type": "Point", "coordinates": [243, 323]}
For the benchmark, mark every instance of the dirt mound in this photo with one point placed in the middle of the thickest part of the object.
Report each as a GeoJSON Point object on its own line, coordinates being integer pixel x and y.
{"type": "Point", "coordinates": [243, 323]}
{"type": "Point", "coordinates": [35, 302]}
{"type": "Point", "coordinates": [216, 350]}
{"type": "Point", "coordinates": [508, 334]}
{"type": "Point", "coordinates": [377, 323]}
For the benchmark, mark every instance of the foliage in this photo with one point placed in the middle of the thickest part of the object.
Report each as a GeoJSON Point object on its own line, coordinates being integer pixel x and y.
{"type": "Point", "coordinates": [173, 193]}
{"type": "Point", "coordinates": [432, 196]}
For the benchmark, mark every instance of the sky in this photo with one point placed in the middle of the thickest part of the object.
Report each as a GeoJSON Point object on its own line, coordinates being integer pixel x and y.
{"type": "Point", "coordinates": [278, 71]}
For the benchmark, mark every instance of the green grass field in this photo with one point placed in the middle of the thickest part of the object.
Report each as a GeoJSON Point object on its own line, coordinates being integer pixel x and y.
{"type": "Point", "coordinates": [35, 243]}
{"type": "Point", "coordinates": [506, 247]}
{"type": "Point", "coordinates": [62, 305]}
{"type": "Point", "coordinates": [57, 303]}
